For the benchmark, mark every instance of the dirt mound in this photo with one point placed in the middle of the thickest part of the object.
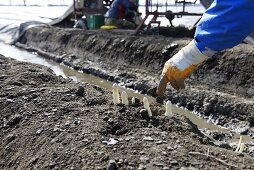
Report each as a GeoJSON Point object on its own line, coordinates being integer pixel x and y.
{"type": "Point", "coordinates": [128, 119]}
{"type": "Point", "coordinates": [231, 70]}
{"type": "Point", "coordinates": [47, 122]}
{"type": "Point", "coordinates": [221, 89]}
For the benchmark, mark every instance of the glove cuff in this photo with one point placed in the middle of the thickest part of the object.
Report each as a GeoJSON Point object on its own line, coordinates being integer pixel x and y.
{"type": "Point", "coordinates": [187, 56]}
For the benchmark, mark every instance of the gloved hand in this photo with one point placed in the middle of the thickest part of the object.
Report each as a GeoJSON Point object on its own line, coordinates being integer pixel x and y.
{"type": "Point", "coordinates": [179, 67]}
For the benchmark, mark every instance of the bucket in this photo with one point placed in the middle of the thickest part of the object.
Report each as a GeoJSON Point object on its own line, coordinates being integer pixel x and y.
{"type": "Point", "coordinates": [95, 21]}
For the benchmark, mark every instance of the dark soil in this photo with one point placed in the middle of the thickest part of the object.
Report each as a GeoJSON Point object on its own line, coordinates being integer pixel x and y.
{"type": "Point", "coordinates": [221, 89]}
{"type": "Point", "coordinates": [47, 122]}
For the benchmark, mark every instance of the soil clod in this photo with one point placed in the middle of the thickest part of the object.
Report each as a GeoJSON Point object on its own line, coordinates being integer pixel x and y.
{"type": "Point", "coordinates": [112, 165]}
{"type": "Point", "coordinates": [80, 91]}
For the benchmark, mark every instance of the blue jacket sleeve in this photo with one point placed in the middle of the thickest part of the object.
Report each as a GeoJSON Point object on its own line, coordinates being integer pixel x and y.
{"type": "Point", "coordinates": [225, 24]}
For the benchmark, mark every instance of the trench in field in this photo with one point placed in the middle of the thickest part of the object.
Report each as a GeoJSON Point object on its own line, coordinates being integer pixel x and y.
{"type": "Point", "coordinates": [66, 72]}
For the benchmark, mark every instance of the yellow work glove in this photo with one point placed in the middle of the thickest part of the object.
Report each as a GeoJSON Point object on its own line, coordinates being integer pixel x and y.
{"type": "Point", "coordinates": [179, 67]}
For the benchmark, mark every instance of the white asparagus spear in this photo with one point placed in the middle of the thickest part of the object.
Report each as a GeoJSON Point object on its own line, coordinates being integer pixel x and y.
{"type": "Point", "coordinates": [147, 107]}
{"type": "Point", "coordinates": [116, 97]}
{"type": "Point", "coordinates": [124, 97]}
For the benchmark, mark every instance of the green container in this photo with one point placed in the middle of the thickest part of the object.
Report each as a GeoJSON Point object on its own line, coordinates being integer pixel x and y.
{"type": "Point", "coordinates": [95, 21]}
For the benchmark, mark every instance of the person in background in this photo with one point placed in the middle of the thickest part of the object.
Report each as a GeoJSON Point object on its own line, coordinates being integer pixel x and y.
{"type": "Point", "coordinates": [81, 23]}
{"type": "Point", "coordinates": [224, 25]}
{"type": "Point", "coordinates": [120, 14]}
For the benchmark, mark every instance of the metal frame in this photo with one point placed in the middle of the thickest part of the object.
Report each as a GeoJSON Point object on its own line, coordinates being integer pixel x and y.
{"type": "Point", "coordinates": [149, 4]}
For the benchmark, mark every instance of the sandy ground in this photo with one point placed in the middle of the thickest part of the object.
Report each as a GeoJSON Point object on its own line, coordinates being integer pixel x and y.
{"type": "Point", "coordinates": [221, 89]}
{"type": "Point", "coordinates": [47, 122]}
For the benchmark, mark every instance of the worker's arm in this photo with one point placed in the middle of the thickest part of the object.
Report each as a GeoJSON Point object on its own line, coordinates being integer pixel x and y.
{"type": "Point", "coordinates": [130, 4]}
{"type": "Point", "coordinates": [225, 24]}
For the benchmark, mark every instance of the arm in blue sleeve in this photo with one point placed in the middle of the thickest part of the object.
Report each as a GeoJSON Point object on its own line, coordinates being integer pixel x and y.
{"type": "Point", "coordinates": [130, 5]}
{"type": "Point", "coordinates": [224, 25]}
